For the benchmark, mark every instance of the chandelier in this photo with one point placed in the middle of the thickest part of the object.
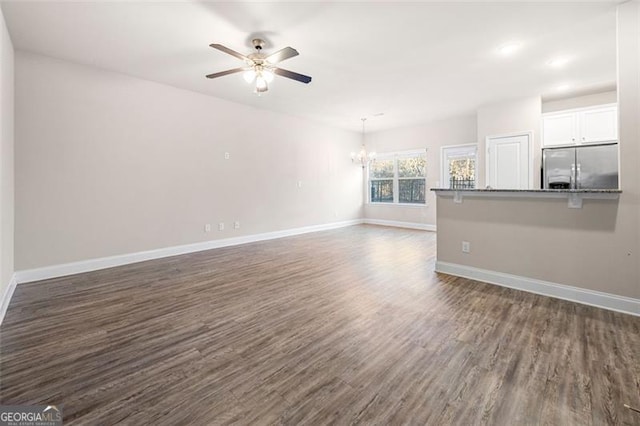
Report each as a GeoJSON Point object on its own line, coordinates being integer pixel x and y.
{"type": "Point", "coordinates": [363, 157]}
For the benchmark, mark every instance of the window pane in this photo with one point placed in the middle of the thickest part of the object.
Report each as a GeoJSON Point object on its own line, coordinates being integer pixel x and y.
{"type": "Point", "coordinates": [411, 190]}
{"type": "Point", "coordinates": [412, 167]}
{"type": "Point", "coordinates": [462, 172]}
{"type": "Point", "coordinates": [382, 191]}
{"type": "Point", "coordinates": [381, 169]}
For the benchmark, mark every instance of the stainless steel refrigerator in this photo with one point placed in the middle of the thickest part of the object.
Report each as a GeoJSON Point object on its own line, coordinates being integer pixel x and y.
{"type": "Point", "coordinates": [581, 167]}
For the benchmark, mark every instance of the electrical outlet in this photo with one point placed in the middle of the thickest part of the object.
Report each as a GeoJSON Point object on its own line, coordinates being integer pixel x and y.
{"type": "Point", "coordinates": [227, 155]}
{"type": "Point", "coordinates": [236, 224]}
{"type": "Point", "coordinates": [207, 227]}
{"type": "Point", "coordinates": [466, 247]}
{"type": "Point", "coordinates": [221, 226]}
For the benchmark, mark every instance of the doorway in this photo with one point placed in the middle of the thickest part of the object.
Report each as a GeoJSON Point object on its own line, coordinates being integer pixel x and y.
{"type": "Point", "coordinates": [458, 166]}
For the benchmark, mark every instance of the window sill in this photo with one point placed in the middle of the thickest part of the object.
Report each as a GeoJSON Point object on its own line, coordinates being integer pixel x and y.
{"type": "Point", "coordinates": [410, 205]}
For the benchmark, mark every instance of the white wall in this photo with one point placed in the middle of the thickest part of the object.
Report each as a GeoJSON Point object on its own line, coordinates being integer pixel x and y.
{"type": "Point", "coordinates": [628, 234]}
{"type": "Point", "coordinates": [596, 247]}
{"type": "Point", "coordinates": [6, 158]}
{"type": "Point", "coordinates": [502, 118]}
{"type": "Point", "coordinates": [108, 164]}
{"type": "Point", "coordinates": [432, 136]}
{"type": "Point", "coordinates": [609, 97]}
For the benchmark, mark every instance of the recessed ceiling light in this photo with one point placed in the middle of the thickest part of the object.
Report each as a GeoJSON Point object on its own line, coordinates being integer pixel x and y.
{"type": "Point", "coordinates": [509, 48]}
{"type": "Point", "coordinates": [563, 88]}
{"type": "Point", "coordinates": [558, 62]}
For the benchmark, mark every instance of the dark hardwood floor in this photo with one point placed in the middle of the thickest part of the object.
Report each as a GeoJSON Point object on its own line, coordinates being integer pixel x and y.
{"type": "Point", "coordinates": [344, 326]}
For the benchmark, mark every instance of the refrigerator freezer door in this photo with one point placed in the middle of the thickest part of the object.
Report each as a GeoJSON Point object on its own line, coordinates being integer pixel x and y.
{"type": "Point", "coordinates": [597, 167]}
{"type": "Point", "coordinates": [558, 164]}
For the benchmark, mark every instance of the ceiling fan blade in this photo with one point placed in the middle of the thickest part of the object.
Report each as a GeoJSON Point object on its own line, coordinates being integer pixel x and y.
{"type": "Point", "coordinates": [231, 52]}
{"type": "Point", "coordinates": [281, 55]}
{"type": "Point", "coordinates": [292, 75]}
{"type": "Point", "coordinates": [227, 72]}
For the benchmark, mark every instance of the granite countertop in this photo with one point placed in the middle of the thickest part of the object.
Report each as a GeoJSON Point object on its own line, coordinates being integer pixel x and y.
{"type": "Point", "coordinates": [540, 191]}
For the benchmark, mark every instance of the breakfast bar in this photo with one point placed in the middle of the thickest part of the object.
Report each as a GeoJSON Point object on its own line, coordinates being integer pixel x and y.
{"type": "Point", "coordinates": [574, 196]}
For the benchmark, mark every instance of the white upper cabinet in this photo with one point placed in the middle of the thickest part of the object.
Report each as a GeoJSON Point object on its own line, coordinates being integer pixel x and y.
{"type": "Point", "coordinates": [560, 129]}
{"type": "Point", "coordinates": [585, 125]}
{"type": "Point", "coordinates": [599, 125]}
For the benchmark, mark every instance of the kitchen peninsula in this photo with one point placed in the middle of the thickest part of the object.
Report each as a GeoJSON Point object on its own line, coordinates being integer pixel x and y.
{"type": "Point", "coordinates": [557, 242]}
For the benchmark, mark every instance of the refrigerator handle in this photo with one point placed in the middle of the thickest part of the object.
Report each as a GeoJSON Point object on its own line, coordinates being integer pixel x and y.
{"type": "Point", "coordinates": [578, 178]}
{"type": "Point", "coordinates": [572, 179]}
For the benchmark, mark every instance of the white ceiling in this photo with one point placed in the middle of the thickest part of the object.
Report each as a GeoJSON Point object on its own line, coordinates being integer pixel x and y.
{"type": "Point", "coordinates": [415, 62]}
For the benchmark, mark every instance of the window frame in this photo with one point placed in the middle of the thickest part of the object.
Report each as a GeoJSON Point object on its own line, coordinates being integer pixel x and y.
{"type": "Point", "coordinates": [444, 169]}
{"type": "Point", "coordinates": [395, 156]}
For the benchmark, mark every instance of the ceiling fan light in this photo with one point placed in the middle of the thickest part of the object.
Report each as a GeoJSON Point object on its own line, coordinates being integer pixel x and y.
{"type": "Point", "coordinates": [249, 75]}
{"type": "Point", "coordinates": [267, 75]}
{"type": "Point", "coordinates": [261, 83]}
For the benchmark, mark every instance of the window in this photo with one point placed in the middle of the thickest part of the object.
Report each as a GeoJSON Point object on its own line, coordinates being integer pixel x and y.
{"type": "Point", "coordinates": [381, 174]}
{"type": "Point", "coordinates": [398, 178]}
{"type": "Point", "coordinates": [459, 166]}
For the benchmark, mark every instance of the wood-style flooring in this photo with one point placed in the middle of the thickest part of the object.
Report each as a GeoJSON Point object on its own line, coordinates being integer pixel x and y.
{"type": "Point", "coordinates": [350, 326]}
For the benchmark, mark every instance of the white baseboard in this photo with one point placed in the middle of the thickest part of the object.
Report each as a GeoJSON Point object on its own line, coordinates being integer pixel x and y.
{"type": "Point", "coordinates": [398, 224]}
{"type": "Point", "coordinates": [598, 299]}
{"type": "Point", "coordinates": [89, 265]}
{"type": "Point", "coordinates": [6, 297]}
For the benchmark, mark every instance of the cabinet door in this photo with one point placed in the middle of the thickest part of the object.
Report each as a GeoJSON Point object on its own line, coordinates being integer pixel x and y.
{"type": "Point", "coordinates": [559, 129]}
{"type": "Point", "coordinates": [599, 125]}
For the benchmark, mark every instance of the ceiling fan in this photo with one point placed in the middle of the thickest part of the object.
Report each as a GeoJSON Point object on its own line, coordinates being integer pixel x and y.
{"type": "Point", "coordinates": [260, 67]}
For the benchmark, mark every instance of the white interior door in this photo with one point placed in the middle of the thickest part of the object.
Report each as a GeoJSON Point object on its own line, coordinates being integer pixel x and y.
{"type": "Point", "coordinates": [509, 162]}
